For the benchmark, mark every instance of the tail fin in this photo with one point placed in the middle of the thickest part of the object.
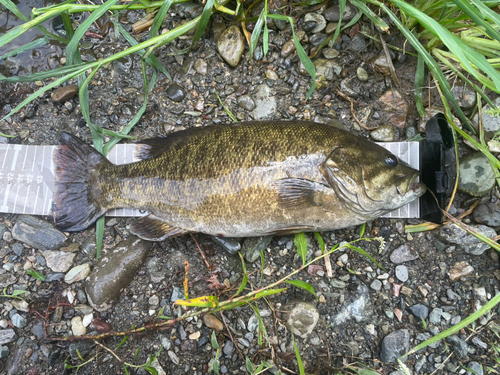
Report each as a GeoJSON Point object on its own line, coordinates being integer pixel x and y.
{"type": "Point", "coordinates": [76, 202]}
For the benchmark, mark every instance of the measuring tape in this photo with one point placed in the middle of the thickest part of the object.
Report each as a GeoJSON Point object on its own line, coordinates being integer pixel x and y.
{"type": "Point", "coordinates": [27, 177]}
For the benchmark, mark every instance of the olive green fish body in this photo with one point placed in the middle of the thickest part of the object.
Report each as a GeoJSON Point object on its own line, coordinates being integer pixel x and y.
{"type": "Point", "coordinates": [245, 179]}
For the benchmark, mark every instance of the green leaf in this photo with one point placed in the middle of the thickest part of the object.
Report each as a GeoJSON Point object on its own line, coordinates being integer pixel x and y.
{"type": "Point", "coordinates": [150, 369]}
{"type": "Point", "coordinates": [473, 13]}
{"type": "Point", "coordinates": [301, 244]}
{"type": "Point", "coordinates": [29, 46]}
{"type": "Point", "coordinates": [419, 84]}
{"type": "Point", "coordinates": [362, 230]}
{"type": "Point", "coordinates": [320, 242]}
{"type": "Point", "coordinates": [125, 369]}
{"type": "Point", "coordinates": [265, 39]}
{"type": "Point", "coordinates": [364, 253]}
{"type": "Point", "coordinates": [160, 16]}
{"type": "Point", "coordinates": [256, 32]}
{"type": "Point", "coordinates": [302, 285]}
{"type": "Point", "coordinates": [365, 371]}
{"type": "Point", "coordinates": [205, 17]}
{"type": "Point", "coordinates": [124, 340]}
{"type": "Point", "coordinates": [17, 292]}
{"type": "Point", "coordinates": [299, 359]}
{"type": "Point", "coordinates": [268, 292]}
{"type": "Point", "coordinates": [245, 277]}
{"type": "Point", "coordinates": [36, 275]}
{"type": "Point", "coordinates": [249, 365]}
{"type": "Point", "coordinates": [205, 301]}
{"type": "Point", "coordinates": [215, 344]}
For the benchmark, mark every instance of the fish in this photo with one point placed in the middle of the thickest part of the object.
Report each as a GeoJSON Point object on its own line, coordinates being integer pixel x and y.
{"type": "Point", "coordinates": [245, 179]}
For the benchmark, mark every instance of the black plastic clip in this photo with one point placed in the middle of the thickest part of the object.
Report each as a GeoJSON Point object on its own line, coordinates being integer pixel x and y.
{"type": "Point", "coordinates": [439, 138]}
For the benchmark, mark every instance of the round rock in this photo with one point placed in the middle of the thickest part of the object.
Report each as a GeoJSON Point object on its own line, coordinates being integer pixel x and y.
{"type": "Point", "coordinates": [453, 234]}
{"type": "Point", "coordinates": [58, 261]}
{"type": "Point", "coordinates": [175, 92]}
{"type": "Point", "coordinates": [490, 122]}
{"type": "Point", "coordinates": [231, 45]}
{"type": "Point", "coordinates": [476, 175]}
{"type": "Point", "coordinates": [302, 317]}
{"type": "Point", "coordinates": [265, 103]}
{"type": "Point", "coordinates": [246, 102]}
{"type": "Point", "coordinates": [77, 273]}
{"type": "Point", "coordinates": [487, 214]}
{"type": "Point", "coordinates": [403, 253]}
{"type": "Point", "coordinates": [362, 74]}
{"type": "Point", "coordinates": [212, 322]}
{"type": "Point", "coordinates": [420, 311]}
{"type": "Point", "coordinates": [395, 345]}
{"type": "Point", "coordinates": [77, 326]}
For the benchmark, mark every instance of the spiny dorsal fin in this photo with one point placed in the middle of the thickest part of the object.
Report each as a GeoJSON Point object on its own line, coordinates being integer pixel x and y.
{"type": "Point", "coordinates": [152, 228]}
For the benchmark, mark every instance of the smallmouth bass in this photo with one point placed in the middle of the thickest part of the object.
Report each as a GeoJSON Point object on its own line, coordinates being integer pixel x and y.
{"type": "Point", "coordinates": [236, 180]}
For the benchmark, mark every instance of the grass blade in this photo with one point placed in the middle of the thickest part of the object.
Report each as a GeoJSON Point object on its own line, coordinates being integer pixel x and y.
{"type": "Point", "coordinates": [302, 285]}
{"type": "Point", "coordinates": [34, 44]}
{"type": "Point", "coordinates": [419, 84]}
{"type": "Point", "coordinates": [299, 359]}
{"type": "Point", "coordinates": [245, 277]}
{"type": "Point", "coordinates": [83, 28]}
{"type": "Point", "coordinates": [465, 54]}
{"type": "Point", "coordinates": [364, 253]}
{"type": "Point", "coordinates": [377, 21]}
{"type": "Point", "coordinates": [160, 16]}
{"type": "Point", "coordinates": [472, 12]}
{"type": "Point", "coordinates": [457, 327]}
{"type": "Point", "coordinates": [205, 17]}
{"type": "Point", "coordinates": [256, 32]}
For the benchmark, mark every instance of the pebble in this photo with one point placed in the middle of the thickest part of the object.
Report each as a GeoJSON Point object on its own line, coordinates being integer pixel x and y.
{"type": "Point", "coordinates": [231, 45]}
{"type": "Point", "coordinates": [62, 94]}
{"type": "Point", "coordinates": [317, 19]}
{"type": "Point", "coordinates": [376, 285]}
{"type": "Point", "coordinates": [6, 336]}
{"type": "Point", "coordinates": [464, 95]}
{"type": "Point", "coordinates": [487, 214]}
{"type": "Point", "coordinates": [358, 43]}
{"type": "Point", "coordinates": [301, 317]}
{"type": "Point", "coordinates": [459, 345]}
{"type": "Point", "coordinates": [175, 92]}
{"type": "Point", "coordinates": [4, 352]}
{"type": "Point", "coordinates": [401, 273]}
{"type": "Point", "coordinates": [77, 273]}
{"type": "Point", "coordinates": [395, 107]}
{"type": "Point", "coordinates": [253, 323]}
{"type": "Point", "coordinates": [19, 321]}
{"type": "Point", "coordinates": [114, 272]}
{"type": "Point", "coordinates": [453, 234]}
{"type": "Point", "coordinates": [395, 345]}
{"type": "Point", "coordinates": [403, 253]}
{"type": "Point", "coordinates": [381, 65]}
{"type": "Point", "coordinates": [173, 357]}
{"type": "Point", "coordinates": [490, 122]}
{"type": "Point", "coordinates": [77, 326]}
{"type": "Point", "coordinates": [333, 13]}
{"type": "Point", "coordinates": [331, 27]}
{"type": "Point", "coordinates": [58, 261]}
{"type": "Point", "coordinates": [200, 66]}
{"type": "Point", "coordinates": [246, 102]}
{"type": "Point", "coordinates": [252, 247]}
{"type": "Point", "coordinates": [228, 348]}
{"type": "Point", "coordinates": [420, 311]}
{"type": "Point", "coordinates": [37, 233]}
{"type": "Point", "coordinates": [476, 177]}
{"type": "Point", "coordinates": [325, 69]}
{"type": "Point", "coordinates": [384, 133]}
{"type": "Point", "coordinates": [21, 305]}
{"type": "Point", "coordinates": [265, 103]}
{"type": "Point", "coordinates": [330, 53]}
{"type": "Point", "coordinates": [211, 321]}
{"type": "Point", "coordinates": [435, 315]}
{"type": "Point", "coordinates": [475, 368]}
{"type": "Point", "coordinates": [358, 306]}
{"type": "Point", "coordinates": [479, 343]}
{"type": "Point", "coordinates": [362, 74]}
{"type": "Point", "coordinates": [460, 269]}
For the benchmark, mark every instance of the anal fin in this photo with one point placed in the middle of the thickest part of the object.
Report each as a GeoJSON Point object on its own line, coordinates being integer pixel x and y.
{"type": "Point", "coordinates": [153, 228]}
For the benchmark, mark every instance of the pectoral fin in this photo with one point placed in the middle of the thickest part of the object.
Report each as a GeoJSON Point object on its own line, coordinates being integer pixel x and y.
{"type": "Point", "coordinates": [296, 192]}
{"type": "Point", "coordinates": [152, 228]}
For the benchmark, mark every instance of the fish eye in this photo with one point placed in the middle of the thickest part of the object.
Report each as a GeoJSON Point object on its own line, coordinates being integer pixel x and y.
{"type": "Point", "coordinates": [391, 161]}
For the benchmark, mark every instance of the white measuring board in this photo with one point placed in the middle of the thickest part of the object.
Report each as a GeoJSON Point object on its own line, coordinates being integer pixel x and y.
{"type": "Point", "coordinates": [27, 177]}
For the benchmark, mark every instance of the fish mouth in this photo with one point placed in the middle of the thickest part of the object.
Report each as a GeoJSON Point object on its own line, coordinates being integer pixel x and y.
{"type": "Point", "coordinates": [414, 187]}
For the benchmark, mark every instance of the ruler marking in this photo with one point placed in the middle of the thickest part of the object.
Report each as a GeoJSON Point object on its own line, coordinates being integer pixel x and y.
{"type": "Point", "coordinates": [45, 201]}
{"type": "Point", "coordinates": [5, 208]}
{"type": "Point", "coordinates": [5, 157]}
{"type": "Point", "coordinates": [15, 200]}
{"type": "Point", "coordinates": [25, 157]}
{"type": "Point", "coordinates": [36, 199]}
{"type": "Point", "coordinates": [26, 200]}
{"type": "Point", "coordinates": [34, 160]}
